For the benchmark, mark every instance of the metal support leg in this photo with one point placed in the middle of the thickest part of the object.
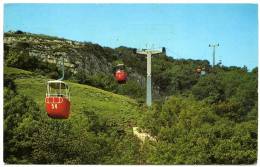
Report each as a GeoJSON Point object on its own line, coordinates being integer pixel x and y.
{"type": "Point", "coordinates": [149, 91]}
{"type": "Point", "coordinates": [149, 81]}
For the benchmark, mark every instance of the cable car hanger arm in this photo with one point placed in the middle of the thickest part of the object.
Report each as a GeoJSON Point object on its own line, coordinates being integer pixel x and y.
{"type": "Point", "coordinates": [62, 77]}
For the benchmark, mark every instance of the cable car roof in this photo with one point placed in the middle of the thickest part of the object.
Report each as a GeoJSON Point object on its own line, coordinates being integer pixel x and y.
{"type": "Point", "coordinates": [120, 65]}
{"type": "Point", "coordinates": [56, 84]}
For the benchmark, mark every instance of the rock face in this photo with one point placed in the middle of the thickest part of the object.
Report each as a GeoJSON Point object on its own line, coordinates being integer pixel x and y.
{"type": "Point", "coordinates": [90, 58]}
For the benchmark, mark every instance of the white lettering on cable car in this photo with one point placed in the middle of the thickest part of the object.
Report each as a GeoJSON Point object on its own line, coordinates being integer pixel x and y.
{"type": "Point", "coordinates": [54, 106]}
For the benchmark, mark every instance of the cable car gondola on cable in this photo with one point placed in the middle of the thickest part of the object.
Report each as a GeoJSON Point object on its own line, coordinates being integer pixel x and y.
{"type": "Point", "coordinates": [201, 71]}
{"type": "Point", "coordinates": [57, 100]}
{"type": "Point", "coordinates": [120, 74]}
{"type": "Point", "coordinates": [198, 70]}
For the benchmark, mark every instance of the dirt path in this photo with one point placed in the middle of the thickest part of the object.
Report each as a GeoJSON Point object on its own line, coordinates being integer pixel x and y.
{"type": "Point", "coordinates": [142, 136]}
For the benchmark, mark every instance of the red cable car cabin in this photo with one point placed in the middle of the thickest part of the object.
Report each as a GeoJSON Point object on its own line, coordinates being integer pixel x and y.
{"type": "Point", "coordinates": [57, 101]}
{"type": "Point", "coordinates": [120, 74]}
{"type": "Point", "coordinates": [198, 70]}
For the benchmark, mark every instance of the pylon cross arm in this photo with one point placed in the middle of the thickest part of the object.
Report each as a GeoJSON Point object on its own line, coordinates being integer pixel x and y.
{"type": "Point", "coordinates": [155, 52]}
{"type": "Point", "coordinates": [142, 52]}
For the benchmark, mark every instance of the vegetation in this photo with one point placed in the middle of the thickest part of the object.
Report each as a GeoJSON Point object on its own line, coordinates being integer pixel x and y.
{"type": "Point", "coordinates": [196, 119]}
{"type": "Point", "coordinates": [191, 132]}
{"type": "Point", "coordinates": [98, 131]}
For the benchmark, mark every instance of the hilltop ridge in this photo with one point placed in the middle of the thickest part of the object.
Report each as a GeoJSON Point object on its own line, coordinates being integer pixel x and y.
{"type": "Point", "coordinates": [92, 64]}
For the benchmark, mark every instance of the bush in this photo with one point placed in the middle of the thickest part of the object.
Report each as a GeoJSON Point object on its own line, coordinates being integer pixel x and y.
{"type": "Point", "coordinates": [209, 88]}
{"type": "Point", "coordinates": [21, 116]}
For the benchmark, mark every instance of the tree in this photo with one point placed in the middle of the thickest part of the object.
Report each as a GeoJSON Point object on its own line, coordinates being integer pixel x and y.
{"type": "Point", "coordinates": [209, 88]}
{"type": "Point", "coordinates": [20, 58]}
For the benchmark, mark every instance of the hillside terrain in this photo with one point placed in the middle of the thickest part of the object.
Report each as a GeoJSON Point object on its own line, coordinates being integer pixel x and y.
{"type": "Point", "coordinates": [194, 119]}
{"type": "Point", "coordinates": [93, 64]}
{"type": "Point", "coordinates": [119, 112]}
{"type": "Point", "coordinates": [105, 104]}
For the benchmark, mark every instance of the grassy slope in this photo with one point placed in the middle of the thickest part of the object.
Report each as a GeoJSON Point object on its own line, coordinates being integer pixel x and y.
{"type": "Point", "coordinates": [116, 108]}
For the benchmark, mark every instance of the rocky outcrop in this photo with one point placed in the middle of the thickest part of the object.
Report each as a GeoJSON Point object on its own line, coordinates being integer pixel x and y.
{"type": "Point", "coordinates": [90, 58]}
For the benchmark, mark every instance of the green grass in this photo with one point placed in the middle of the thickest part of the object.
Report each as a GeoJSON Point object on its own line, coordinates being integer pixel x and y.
{"type": "Point", "coordinates": [16, 72]}
{"type": "Point", "coordinates": [122, 110]}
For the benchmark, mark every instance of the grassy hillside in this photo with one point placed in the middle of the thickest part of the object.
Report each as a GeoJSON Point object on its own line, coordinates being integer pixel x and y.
{"type": "Point", "coordinates": [111, 106]}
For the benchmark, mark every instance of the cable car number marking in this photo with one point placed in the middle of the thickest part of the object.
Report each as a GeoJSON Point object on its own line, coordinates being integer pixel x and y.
{"type": "Point", "coordinates": [54, 106]}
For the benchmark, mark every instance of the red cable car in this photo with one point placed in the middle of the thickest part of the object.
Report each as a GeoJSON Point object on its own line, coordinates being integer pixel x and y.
{"type": "Point", "coordinates": [57, 100]}
{"type": "Point", "coordinates": [120, 74]}
{"type": "Point", "coordinates": [198, 70]}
